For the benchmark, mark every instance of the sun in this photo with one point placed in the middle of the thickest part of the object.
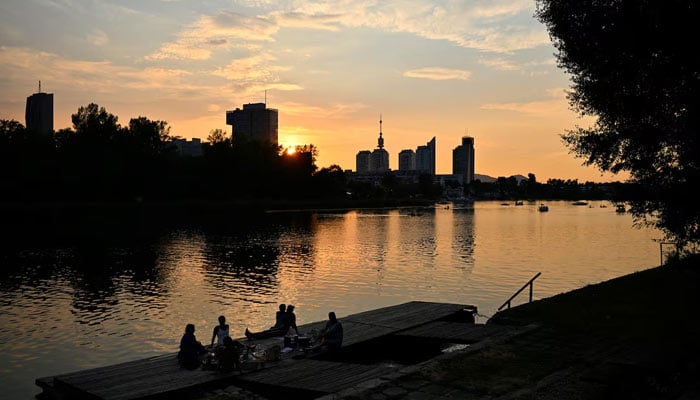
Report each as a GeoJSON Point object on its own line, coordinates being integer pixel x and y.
{"type": "Point", "coordinates": [291, 150]}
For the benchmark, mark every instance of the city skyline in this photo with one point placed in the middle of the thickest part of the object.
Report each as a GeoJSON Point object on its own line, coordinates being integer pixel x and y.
{"type": "Point", "coordinates": [483, 69]}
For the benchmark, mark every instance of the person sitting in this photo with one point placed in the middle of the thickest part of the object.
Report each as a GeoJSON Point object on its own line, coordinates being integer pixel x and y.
{"type": "Point", "coordinates": [228, 355]}
{"type": "Point", "coordinates": [285, 321]}
{"type": "Point", "coordinates": [190, 349]}
{"type": "Point", "coordinates": [332, 335]}
{"type": "Point", "coordinates": [280, 317]}
{"type": "Point", "coordinates": [220, 332]}
{"type": "Point", "coordinates": [291, 320]}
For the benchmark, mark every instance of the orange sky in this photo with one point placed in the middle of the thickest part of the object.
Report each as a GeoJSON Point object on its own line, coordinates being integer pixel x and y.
{"type": "Point", "coordinates": [431, 68]}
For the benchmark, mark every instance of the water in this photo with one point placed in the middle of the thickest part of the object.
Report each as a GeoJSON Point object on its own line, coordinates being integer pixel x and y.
{"type": "Point", "coordinates": [103, 299]}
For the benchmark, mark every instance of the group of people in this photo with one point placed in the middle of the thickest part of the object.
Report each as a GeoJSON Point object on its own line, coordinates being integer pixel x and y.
{"type": "Point", "coordinates": [285, 320]}
{"type": "Point", "coordinates": [228, 351]}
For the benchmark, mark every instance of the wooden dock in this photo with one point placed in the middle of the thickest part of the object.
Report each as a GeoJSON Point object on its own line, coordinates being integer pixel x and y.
{"type": "Point", "coordinates": [306, 376]}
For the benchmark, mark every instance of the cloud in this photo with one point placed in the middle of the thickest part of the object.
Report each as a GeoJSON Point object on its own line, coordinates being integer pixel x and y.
{"type": "Point", "coordinates": [491, 25]}
{"type": "Point", "coordinates": [220, 31]}
{"type": "Point", "coordinates": [556, 104]}
{"type": "Point", "coordinates": [324, 111]}
{"type": "Point", "coordinates": [438, 74]}
{"type": "Point", "coordinates": [98, 38]}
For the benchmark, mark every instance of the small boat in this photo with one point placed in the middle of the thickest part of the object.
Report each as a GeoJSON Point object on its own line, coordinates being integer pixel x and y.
{"type": "Point", "coordinates": [518, 202]}
{"type": "Point", "coordinates": [580, 203]}
{"type": "Point", "coordinates": [620, 209]}
{"type": "Point", "coordinates": [543, 208]}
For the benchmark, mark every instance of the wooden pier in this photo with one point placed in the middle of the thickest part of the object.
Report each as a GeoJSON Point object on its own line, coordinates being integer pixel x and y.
{"type": "Point", "coordinates": [368, 339]}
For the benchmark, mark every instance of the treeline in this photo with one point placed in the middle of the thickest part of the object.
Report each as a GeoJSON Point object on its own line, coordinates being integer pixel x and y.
{"type": "Point", "coordinates": [98, 160]}
{"type": "Point", "coordinates": [512, 188]}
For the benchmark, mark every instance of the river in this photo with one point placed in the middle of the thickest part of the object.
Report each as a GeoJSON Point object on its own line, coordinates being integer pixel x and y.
{"type": "Point", "coordinates": [95, 301]}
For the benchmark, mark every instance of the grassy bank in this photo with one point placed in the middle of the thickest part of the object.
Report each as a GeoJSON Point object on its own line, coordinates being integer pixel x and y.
{"type": "Point", "coordinates": [634, 337]}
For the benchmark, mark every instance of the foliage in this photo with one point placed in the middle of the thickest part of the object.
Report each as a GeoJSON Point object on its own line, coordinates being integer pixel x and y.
{"type": "Point", "coordinates": [632, 69]}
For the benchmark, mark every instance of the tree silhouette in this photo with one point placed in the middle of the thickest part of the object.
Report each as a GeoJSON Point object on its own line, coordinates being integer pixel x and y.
{"type": "Point", "coordinates": [632, 69]}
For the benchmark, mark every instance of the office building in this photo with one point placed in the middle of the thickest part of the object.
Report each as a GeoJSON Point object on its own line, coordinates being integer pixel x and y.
{"type": "Point", "coordinates": [425, 158]}
{"type": "Point", "coordinates": [362, 161]}
{"type": "Point", "coordinates": [463, 160]}
{"type": "Point", "coordinates": [255, 122]}
{"type": "Point", "coordinates": [38, 115]}
{"type": "Point", "coordinates": [191, 148]}
{"type": "Point", "coordinates": [407, 160]}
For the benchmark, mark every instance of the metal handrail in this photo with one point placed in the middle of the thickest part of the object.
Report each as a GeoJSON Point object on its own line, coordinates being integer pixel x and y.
{"type": "Point", "coordinates": [529, 283]}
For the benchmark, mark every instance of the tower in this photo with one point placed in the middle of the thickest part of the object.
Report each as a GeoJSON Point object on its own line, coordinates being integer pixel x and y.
{"type": "Point", "coordinates": [379, 161]}
{"type": "Point", "coordinates": [463, 160]}
{"type": "Point", "coordinates": [425, 157]}
{"type": "Point", "coordinates": [38, 114]}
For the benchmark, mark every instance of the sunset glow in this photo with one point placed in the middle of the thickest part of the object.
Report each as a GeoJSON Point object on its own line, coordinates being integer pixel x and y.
{"type": "Point", "coordinates": [431, 68]}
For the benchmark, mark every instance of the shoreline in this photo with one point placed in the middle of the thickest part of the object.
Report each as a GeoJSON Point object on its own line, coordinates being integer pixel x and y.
{"type": "Point", "coordinates": [631, 337]}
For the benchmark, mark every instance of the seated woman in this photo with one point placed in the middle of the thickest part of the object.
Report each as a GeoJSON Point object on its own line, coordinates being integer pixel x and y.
{"type": "Point", "coordinates": [228, 355]}
{"type": "Point", "coordinates": [190, 349]}
{"type": "Point", "coordinates": [220, 332]}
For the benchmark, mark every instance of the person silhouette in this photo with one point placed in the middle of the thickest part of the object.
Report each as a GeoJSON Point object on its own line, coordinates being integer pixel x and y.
{"type": "Point", "coordinates": [220, 332]}
{"type": "Point", "coordinates": [190, 349]}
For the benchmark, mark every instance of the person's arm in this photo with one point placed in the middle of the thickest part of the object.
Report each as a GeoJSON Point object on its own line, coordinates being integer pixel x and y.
{"type": "Point", "coordinates": [213, 336]}
{"type": "Point", "coordinates": [294, 325]}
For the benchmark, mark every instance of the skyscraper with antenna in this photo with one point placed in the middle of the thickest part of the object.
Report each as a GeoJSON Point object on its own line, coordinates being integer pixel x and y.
{"type": "Point", "coordinates": [379, 161]}
{"type": "Point", "coordinates": [38, 114]}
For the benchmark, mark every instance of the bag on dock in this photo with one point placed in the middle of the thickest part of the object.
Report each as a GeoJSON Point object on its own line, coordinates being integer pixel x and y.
{"type": "Point", "coordinates": [274, 353]}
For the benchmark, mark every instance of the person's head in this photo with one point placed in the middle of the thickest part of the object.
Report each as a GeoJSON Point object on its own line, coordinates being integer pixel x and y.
{"type": "Point", "coordinates": [290, 308]}
{"type": "Point", "coordinates": [189, 328]}
{"type": "Point", "coordinates": [332, 317]}
{"type": "Point", "coordinates": [283, 307]}
{"type": "Point", "coordinates": [228, 341]}
{"type": "Point", "coordinates": [222, 320]}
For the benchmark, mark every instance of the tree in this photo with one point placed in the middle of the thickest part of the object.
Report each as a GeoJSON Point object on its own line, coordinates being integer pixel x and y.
{"type": "Point", "coordinates": [632, 70]}
{"type": "Point", "coordinates": [149, 137]}
{"type": "Point", "coordinates": [217, 136]}
{"type": "Point", "coordinates": [95, 122]}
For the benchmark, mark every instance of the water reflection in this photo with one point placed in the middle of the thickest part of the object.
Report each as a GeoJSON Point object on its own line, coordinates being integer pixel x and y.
{"type": "Point", "coordinates": [92, 299]}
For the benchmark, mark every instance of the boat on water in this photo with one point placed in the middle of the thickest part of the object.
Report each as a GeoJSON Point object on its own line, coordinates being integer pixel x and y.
{"type": "Point", "coordinates": [543, 208]}
{"type": "Point", "coordinates": [518, 202]}
{"type": "Point", "coordinates": [580, 203]}
{"type": "Point", "coordinates": [620, 209]}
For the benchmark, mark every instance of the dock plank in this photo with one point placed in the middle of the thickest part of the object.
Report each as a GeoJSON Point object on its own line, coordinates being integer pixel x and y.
{"type": "Point", "coordinates": [456, 331]}
{"type": "Point", "coordinates": [318, 376]}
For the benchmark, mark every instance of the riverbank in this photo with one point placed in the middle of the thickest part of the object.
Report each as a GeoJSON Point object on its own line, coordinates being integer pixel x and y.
{"type": "Point", "coordinates": [634, 337]}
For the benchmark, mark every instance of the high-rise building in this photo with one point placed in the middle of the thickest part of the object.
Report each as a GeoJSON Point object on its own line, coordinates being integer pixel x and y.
{"type": "Point", "coordinates": [254, 122]}
{"type": "Point", "coordinates": [425, 157]}
{"type": "Point", "coordinates": [380, 157]}
{"type": "Point", "coordinates": [407, 160]}
{"type": "Point", "coordinates": [38, 115]}
{"type": "Point", "coordinates": [463, 160]}
{"type": "Point", "coordinates": [362, 161]}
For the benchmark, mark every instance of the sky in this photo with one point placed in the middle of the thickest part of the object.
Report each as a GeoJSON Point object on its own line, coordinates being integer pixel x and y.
{"type": "Point", "coordinates": [443, 69]}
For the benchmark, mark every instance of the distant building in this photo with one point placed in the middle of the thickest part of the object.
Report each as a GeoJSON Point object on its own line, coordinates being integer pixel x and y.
{"type": "Point", "coordinates": [376, 161]}
{"type": "Point", "coordinates": [425, 157]}
{"type": "Point", "coordinates": [463, 160]}
{"type": "Point", "coordinates": [380, 157]}
{"type": "Point", "coordinates": [407, 160]}
{"type": "Point", "coordinates": [362, 161]}
{"type": "Point", "coordinates": [38, 115]}
{"type": "Point", "coordinates": [254, 122]}
{"type": "Point", "coordinates": [192, 148]}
